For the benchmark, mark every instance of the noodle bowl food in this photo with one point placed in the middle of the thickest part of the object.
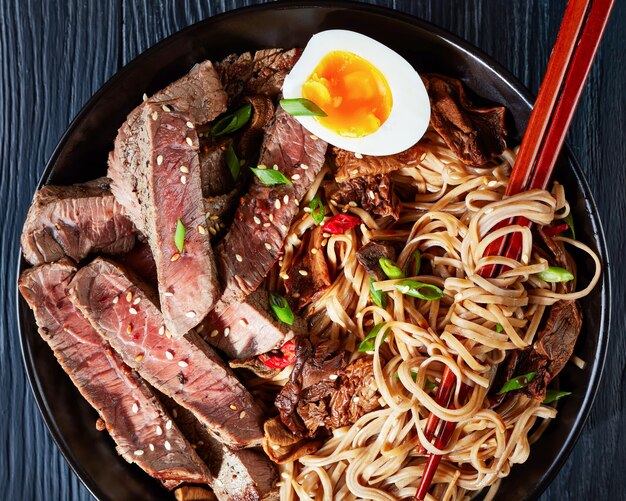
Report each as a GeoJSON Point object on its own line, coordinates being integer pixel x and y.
{"type": "Point", "coordinates": [282, 273]}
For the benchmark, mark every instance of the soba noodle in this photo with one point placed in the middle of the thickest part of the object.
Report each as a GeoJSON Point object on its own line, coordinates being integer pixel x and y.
{"type": "Point", "coordinates": [451, 222]}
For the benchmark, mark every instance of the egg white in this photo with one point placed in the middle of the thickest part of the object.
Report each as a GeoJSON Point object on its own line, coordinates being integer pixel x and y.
{"type": "Point", "coordinates": [410, 111]}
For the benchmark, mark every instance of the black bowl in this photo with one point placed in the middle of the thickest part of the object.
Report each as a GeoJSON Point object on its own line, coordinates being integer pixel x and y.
{"type": "Point", "coordinates": [82, 152]}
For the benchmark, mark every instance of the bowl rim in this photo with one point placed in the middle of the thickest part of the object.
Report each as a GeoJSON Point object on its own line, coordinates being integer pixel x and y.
{"type": "Point", "coordinates": [460, 44]}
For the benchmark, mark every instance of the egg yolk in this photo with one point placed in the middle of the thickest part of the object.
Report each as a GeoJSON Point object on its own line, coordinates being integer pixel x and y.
{"type": "Point", "coordinates": [352, 92]}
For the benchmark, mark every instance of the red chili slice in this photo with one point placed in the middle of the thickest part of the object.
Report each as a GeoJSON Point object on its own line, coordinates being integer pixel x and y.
{"type": "Point", "coordinates": [286, 355]}
{"type": "Point", "coordinates": [340, 223]}
{"type": "Point", "coordinates": [556, 230]}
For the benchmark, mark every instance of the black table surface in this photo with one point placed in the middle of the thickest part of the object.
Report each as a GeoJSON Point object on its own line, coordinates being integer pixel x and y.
{"type": "Point", "coordinates": [53, 57]}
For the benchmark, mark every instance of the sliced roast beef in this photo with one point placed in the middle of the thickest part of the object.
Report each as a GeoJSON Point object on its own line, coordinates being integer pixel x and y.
{"type": "Point", "coordinates": [248, 328]}
{"type": "Point", "coordinates": [250, 141]}
{"type": "Point", "coordinates": [370, 255]}
{"type": "Point", "coordinates": [185, 368]}
{"type": "Point", "coordinates": [75, 221]}
{"type": "Point", "coordinates": [140, 260]}
{"type": "Point", "coordinates": [476, 135]}
{"type": "Point", "coordinates": [167, 177]}
{"type": "Point", "coordinates": [308, 276]}
{"type": "Point", "coordinates": [236, 475]}
{"type": "Point", "coordinates": [373, 193]}
{"type": "Point", "coordinates": [352, 165]}
{"type": "Point", "coordinates": [214, 173]}
{"type": "Point", "coordinates": [255, 239]}
{"type": "Point", "coordinates": [135, 419]}
{"type": "Point", "coordinates": [218, 212]}
{"type": "Point", "coordinates": [262, 73]}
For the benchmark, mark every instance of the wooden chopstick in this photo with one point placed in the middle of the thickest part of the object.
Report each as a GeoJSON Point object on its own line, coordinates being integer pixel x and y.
{"type": "Point", "coordinates": [558, 97]}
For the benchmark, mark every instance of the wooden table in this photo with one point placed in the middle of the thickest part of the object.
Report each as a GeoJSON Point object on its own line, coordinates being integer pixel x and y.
{"type": "Point", "coordinates": [54, 57]}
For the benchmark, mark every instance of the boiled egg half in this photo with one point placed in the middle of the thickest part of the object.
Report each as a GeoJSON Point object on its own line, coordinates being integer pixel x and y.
{"type": "Point", "coordinates": [375, 102]}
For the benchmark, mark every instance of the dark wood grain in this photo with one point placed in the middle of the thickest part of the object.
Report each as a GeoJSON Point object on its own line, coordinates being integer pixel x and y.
{"type": "Point", "coordinates": [54, 57]}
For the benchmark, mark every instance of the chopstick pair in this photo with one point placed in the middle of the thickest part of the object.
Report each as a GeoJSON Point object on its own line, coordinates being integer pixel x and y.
{"type": "Point", "coordinates": [573, 54]}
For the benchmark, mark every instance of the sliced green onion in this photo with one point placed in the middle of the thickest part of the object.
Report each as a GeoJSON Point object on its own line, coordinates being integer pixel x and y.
{"type": "Point", "coordinates": [300, 107]}
{"type": "Point", "coordinates": [420, 290]}
{"type": "Point", "coordinates": [555, 274]}
{"type": "Point", "coordinates": [391, 269]}
{"type": "Point", "coordinates": [517, 383]}
{"type": "Point", "coordinates": [281, 308]}
{"type": "Point", "coordinates": [179, 235]}
{"type": "Point", "coordinates": [369, 342]}
{"type": "Point", "coordinates": [379, 298]}
{"type": "Point", "coordinates": [317, 210]}
{"type": "Point", "coordinates": [553, 396]}
{"type": "Point", "coordinates": [417, 262]}
{"type": "Point", "coordinates": [569, 219]}
{"type": "Point", "coordinates": [499, 328]}
{"type": "Point", "coordinates": [233, 122]}
{"type": "Point", "coordinates": [233, 162]}
{"type": "Point", "coordinates": [270, 177]}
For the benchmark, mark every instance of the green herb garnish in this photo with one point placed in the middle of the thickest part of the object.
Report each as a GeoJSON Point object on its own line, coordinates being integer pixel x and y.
{"type": "Point", "coordinates": [569, 219]}
{"type": "Point", "coordinates": [420, 290]}
{"type": "Point", "coordinates": [517, 383]}
{"type": "Point", "coordinates": [179, 235]}
{"type": "Point", "coordinates": [553, 396]}
{"type": "Point", "coordinates": [300, 107]}
{"type": "Point", "coordinates": [417, 262]}
{"type": "Point", "coordinates": [369, 342]}
{"type": "Point", "coordinates": [379, 298]}
{"type": "Point", "coordinates": [270, 177]}
{"type": "Point", "coordinates": [555, 274]}
{"type": "Point", "coordinates": [281, 308]}
{"type": "Point", "coordinates": [233, 162]}
{"type": "Point", "coordinates": [233, 122]}
{"type": "Point", "coordinates": [499, 328]}
{"type": "Point", "coordinates": [391, 269]}
{"type": "Point", "coordinates": [317, 209]}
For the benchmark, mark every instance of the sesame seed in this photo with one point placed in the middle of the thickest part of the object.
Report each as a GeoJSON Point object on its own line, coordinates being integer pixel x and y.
{"type": "Point", "coordinates": [226, 331]}
{"type": "Point", "coordinates": [161, 330]}
{"type": "Point", "coordinates": [168, 424]}
{"type": "Point", "coordinates": [256, 220]}
{"type": "Point", "coordinates": [184, 169]}
{"type": "Point", "coordinates": [354, 172]}
{"type": "Point", "coordinates": [284, 227]}
{"type": "Point", "coordinates": [233, 407]}
{"type": "Point", "coordinates": [358, 155]}
{"type": "Point", "coordinates": [356, 399]}
{"type": "Point", "coordinates": [201, 230]}
{"type": "Point", "coordinates": [314, 137]}
{"type": "Point", "coordinates": [190, 125]}
{"type": "Point", "coordinates": [333, 202]}
{"type": "Point", "coordinates": [189, 141]}
{"type": "Point", "coordinates": [212, 231]}
{"type": "Point", "coordinates": [174, 413]}
{"type": "Point", "coordinates": [166, 108]}
{"type": "Point", "coordinates": [214, 333]}
{"type": "Point", "coordinates": [168, 294]}
{"type": "Point", "coordinates": [116, 299]}
{"type": "Point", "coordinates": [313, 251]}
{"type": "Point", "coordinates": [137, 300]}
{"type": "Point", "coordinates": [286, 199]}
{"type": "Point", "coordinates": [277, 204]}
{"type": "Point", "coordinates": [144, 97]}
{"type": "Point", "coordinates": [275, 167]}
{"type": "Point", "coordinates": [139, 452]}
{"type": "Point", "coordinates": [238, 258]}
{"type": "Point", "coordinates": [326, 235]}
{"type": "Point", "coordinates": [271, 218]}
{"type": "Point", "coordinates": [129, 328]}
{"type": "Point", "coordinates": [169, 355]}
{"type": "Point", "coordinates": [159, 159]}
{"type": "Point", "coordinates": [168, 334]}
{"type": "Point", "coordinates": [352, 203]}
{"type": "Point", "coordinates": [151, 447]}
{"type": "Point", "coordinates": [155, 115]}
{"type": "Point", "coordinates": [129, 296]}
{"type": "Point", "coordinates": [135, 408]}
{"type": "Point", "coordinates": [159, 430]}
{"type": "Point", "coordinates": [332, 377]}
{"type": "Point", "coordinates": [183, 179]}
{"type": "Point", "coordinates": [295, 177]}
{"type": "Point", "coordinates": [200, 328]}
{"type": "Point", "coordinates": [275, 447]}
{"type": "Point", "coordinates": [266, 225]}
{"type": "Point", "coordinates": [175, 257]}
{"type": "Point", "coordinates": [304, 273]}
{"type": "Point", "coordinates": [295, 295]}
{"type": "Point", "coordinates": [304, 166]}
{"type": "Point", "coordinates": [167, 446]}
{"type": "Point", "coordinates": [324, 242]}
{"type": "Point", "coordinates": [370, 194]}
{"type": "Point", "coordinates": [132, 311]}
{"type": "Point", "coordinates": [284, 276]}
{"type": "Point", "coordinates": [268, 246]}
{"type": "Point", "coordinates": [190, 314]}
{"type": "Point", "coordinates": [242, 414]}
{"type": "Point", "coordinates": [261, 167]}
{"type": "Point", "coordinates": [307, 209]}
{"type": "Point", "coordinates": [139, 357]}
{"type": "Point", "coordinates": [242, 322]}
{"type": "Point", "coordinates": [214, 218]}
